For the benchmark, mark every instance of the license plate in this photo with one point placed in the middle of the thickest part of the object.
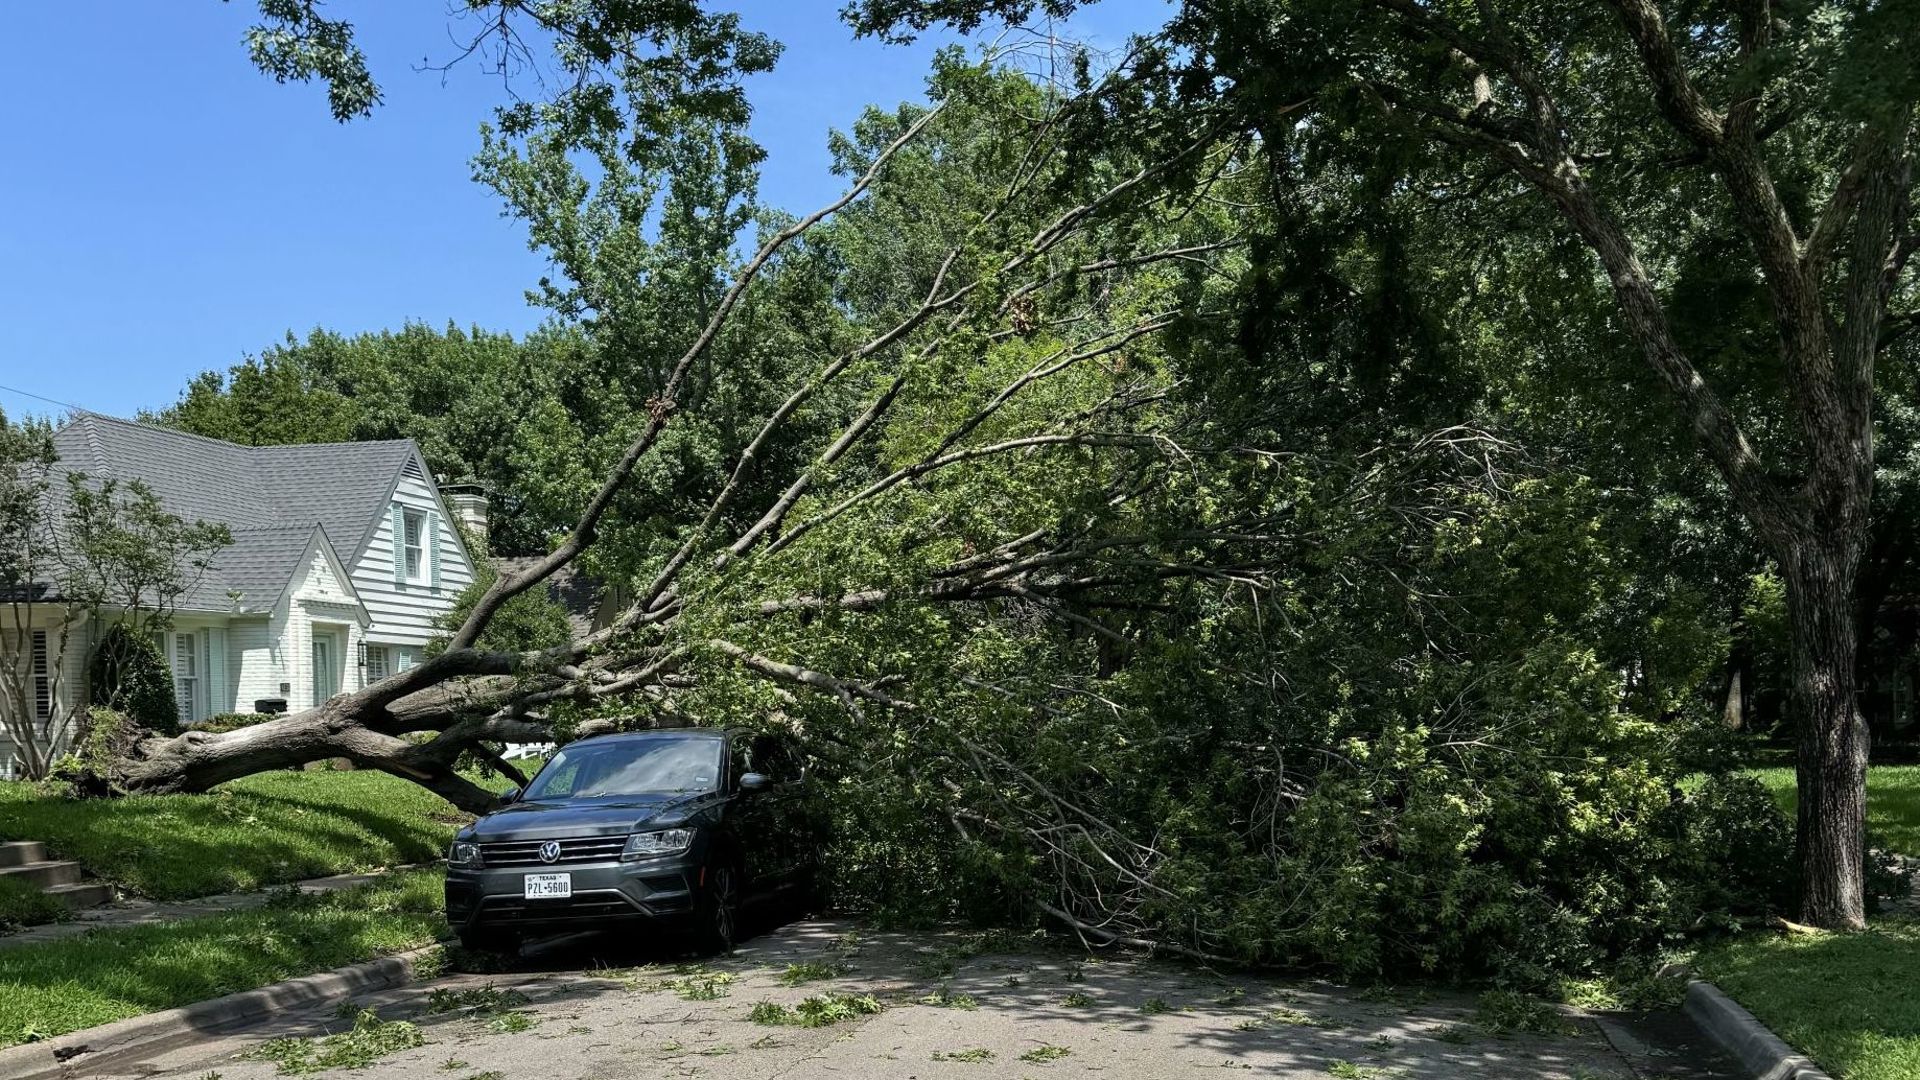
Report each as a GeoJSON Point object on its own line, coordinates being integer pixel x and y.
{"type": "Point", "coordinates": [548, 886]}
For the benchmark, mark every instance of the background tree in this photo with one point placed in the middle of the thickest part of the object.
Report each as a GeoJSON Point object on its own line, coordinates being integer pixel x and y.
{"type": "Point", "coordinates": [480, 404]}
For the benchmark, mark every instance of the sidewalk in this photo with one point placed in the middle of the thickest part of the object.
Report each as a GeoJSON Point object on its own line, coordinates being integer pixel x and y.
{"type": "Point", "coordinates": [147, 912]}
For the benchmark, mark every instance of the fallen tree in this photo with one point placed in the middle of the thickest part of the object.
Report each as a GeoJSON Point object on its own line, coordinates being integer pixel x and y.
{"type": "Point", "coordinates": [1022, 272]}
{"type": "Point", "coordinates": [1107, 636]}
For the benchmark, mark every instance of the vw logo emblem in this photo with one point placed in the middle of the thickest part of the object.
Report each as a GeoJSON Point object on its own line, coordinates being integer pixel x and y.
{"type": "Point", "coordinates": [550, 851]}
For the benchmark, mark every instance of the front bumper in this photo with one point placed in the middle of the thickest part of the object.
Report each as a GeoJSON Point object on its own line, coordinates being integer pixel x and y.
{"type": "Point", "coordinates": [602, 893]}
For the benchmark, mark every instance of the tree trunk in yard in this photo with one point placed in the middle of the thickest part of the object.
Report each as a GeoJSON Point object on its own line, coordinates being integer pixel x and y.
{"type": "Point", "coordinates": [1832, 767]}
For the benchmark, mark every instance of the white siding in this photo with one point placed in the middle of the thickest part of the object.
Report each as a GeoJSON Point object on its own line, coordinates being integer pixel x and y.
{"type": "Point", "coordinates": [68, 668]}
{"type": "Point", "coordinates": [320, 603]}
{"type": "Point", "coordinates": [253, 663]}
{"type": "Point", "coordinates": [404, 614]}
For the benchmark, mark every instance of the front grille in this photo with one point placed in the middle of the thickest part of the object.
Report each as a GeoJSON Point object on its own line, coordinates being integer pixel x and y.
{"type": "Point", "coordinates": [580, 906]}
{"type": "Point", "coordinates": [582, 849]}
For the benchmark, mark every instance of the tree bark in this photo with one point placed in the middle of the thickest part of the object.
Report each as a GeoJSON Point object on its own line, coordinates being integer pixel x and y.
{"type": "Point", "coordinates": [1832, 768]}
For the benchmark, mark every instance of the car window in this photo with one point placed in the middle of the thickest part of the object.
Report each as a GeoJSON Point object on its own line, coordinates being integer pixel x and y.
{"type": "Point", "coordinates": [598, 770]}
{"type": "Point", "coordinates": [772, 756]}
{"type": "Point", "coordinates": [743, 763]}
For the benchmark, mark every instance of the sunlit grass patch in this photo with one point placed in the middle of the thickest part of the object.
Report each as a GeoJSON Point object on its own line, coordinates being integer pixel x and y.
{"type": "Point", "coordinates": [1849, 1001]}
{"type": "Point", "coordinates": [52, 988]}
{"type": "Point", "coordinates": [260, 830]}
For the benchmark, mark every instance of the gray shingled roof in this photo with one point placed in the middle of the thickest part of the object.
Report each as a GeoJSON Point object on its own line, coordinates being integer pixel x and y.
{"type": "Point", "coordinates": [262, 561]}
{"type": "Point", "coordinates": [273, 498]}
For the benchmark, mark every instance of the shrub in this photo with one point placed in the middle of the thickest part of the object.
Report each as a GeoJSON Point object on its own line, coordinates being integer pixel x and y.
{"type": "Point", "coordinates": [220, 723]}
{"type": "Point", "coordinates": [129, 676]}
{"type": "Point", "coordinates": [1743, 841]}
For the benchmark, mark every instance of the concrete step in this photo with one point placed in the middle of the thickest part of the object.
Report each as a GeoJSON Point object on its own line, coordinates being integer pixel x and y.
{"type": "Point", "coordinates": [84, 894]}
{"type": "Point", "coordinates": [43, 874]}
{"type": "Point", "coordinates": [21, 852]}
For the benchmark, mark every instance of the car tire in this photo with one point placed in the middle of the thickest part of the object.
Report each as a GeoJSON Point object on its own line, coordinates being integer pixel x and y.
{"type": "Point", "coordinates": [499, 942]}
{"type": "Point", "coordinates": [717, 913]}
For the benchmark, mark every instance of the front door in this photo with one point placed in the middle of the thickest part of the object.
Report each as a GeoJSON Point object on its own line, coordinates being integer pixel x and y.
{"type": "Point", "coordinates": [325, 682]}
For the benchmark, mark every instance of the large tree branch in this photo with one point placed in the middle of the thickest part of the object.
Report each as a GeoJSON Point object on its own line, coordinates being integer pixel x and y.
{"type": "Point", "coordinates": [1679, 100]}
{"type": "Point", "coordinates": [508, 586]}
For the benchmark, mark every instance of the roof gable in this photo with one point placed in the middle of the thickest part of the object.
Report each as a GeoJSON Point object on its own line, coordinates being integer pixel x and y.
{"type": "Point", "coordinates": [273, 498]}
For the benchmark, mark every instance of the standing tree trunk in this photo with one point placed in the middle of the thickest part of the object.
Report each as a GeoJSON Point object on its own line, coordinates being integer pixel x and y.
{"type": "Point", "coordinates": [1832, 760]}
{"type": "Point", "coordinates": [1830, 274]}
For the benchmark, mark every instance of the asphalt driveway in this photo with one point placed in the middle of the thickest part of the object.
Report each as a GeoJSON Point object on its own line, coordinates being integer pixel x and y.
{"type": "Point", "coordinates": [922, 1005]}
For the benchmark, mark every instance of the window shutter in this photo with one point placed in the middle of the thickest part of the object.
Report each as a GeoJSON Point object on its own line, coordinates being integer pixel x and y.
{"type": "Point", "coordinates": [42, 678]}
{"type": "Point", "coordinates": [184, 690]}
{"type": "Point", "coordinates": [399, 544]}
{"type": "Point", "coordinates": [432, 526]}
{"type": "Point", "coordinates": [217, 671]}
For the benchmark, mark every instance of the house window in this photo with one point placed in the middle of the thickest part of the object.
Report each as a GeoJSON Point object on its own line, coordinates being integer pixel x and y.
{"type": "Point", "coordinates": [42, 678]}
{"type": "Point", "coordinates": [376, 663]}
{"type": "Point", "coordinates": [413, 527]}
{"type": "Point", "coordinates": [402, 658]}
{"type": "Point", "coordinates": [186, 676]}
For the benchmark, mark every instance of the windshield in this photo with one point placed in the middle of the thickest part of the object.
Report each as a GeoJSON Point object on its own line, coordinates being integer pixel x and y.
{"type": "Point", "coordinates": [601, 770]}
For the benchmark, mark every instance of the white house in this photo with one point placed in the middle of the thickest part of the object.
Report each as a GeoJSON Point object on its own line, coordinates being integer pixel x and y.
{"type": "Point", "coordinates": [343, 556]}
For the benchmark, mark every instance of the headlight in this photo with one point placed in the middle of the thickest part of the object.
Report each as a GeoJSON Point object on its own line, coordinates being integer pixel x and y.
{"type": "Point", "coordinates": [464, 855]}
{"type": "Point", "coordinates": [645, 845]}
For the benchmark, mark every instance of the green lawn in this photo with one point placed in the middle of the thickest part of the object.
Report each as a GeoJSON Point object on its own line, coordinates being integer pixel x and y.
{"type": "Point", "coordinates": [61, 986]}
{"type": "Point", "coordinates": [262, 830]}
{"type": "Point", "coordinates": [25, 905]}
{"type": "Point", "coordinates": [1850, 1001]}
{"type": "Point", "coordinates": [1893, 802]}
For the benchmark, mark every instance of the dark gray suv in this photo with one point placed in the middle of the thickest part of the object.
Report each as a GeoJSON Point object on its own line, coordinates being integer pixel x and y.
{"type": "Point", "coordinates": [682, 827]}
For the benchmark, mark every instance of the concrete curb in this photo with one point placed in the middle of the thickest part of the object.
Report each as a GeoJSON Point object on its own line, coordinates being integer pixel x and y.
{"type": "Point", "coordinates": [84, 1051]}
{"type": "Point", "coordinates": [1762, 1053]}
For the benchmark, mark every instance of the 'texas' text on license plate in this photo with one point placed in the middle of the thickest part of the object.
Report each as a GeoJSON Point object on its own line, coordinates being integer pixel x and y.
{"type": "Point", "coordinates": [547, 886]}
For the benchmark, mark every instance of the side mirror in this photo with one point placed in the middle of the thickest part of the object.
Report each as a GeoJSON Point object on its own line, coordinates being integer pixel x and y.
{"type": "Point", "coordinates": [510, 795]}
{"type": "Point", "coordinates": [754, 781]}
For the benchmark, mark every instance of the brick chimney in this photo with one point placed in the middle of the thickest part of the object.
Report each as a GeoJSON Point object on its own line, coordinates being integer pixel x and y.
{"type": "Point", "coordinates": [468, 501]}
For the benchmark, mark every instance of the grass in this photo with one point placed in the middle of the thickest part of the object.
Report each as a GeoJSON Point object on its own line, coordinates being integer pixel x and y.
{"type": "Point", "coordinates": [259, 831]}
{"type": "Point", "coordinates": [55, 987]}
{"type": "Point", "coordinates": [1848, 1000]}
{"type": "Point", "coordinates": [23, 905]}
{"type": "Point", "coordinates": [1893, 802]}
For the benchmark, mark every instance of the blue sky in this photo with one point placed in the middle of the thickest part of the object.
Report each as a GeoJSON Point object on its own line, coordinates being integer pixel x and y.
{"type": "Point", "coordinates": [169, 209]}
